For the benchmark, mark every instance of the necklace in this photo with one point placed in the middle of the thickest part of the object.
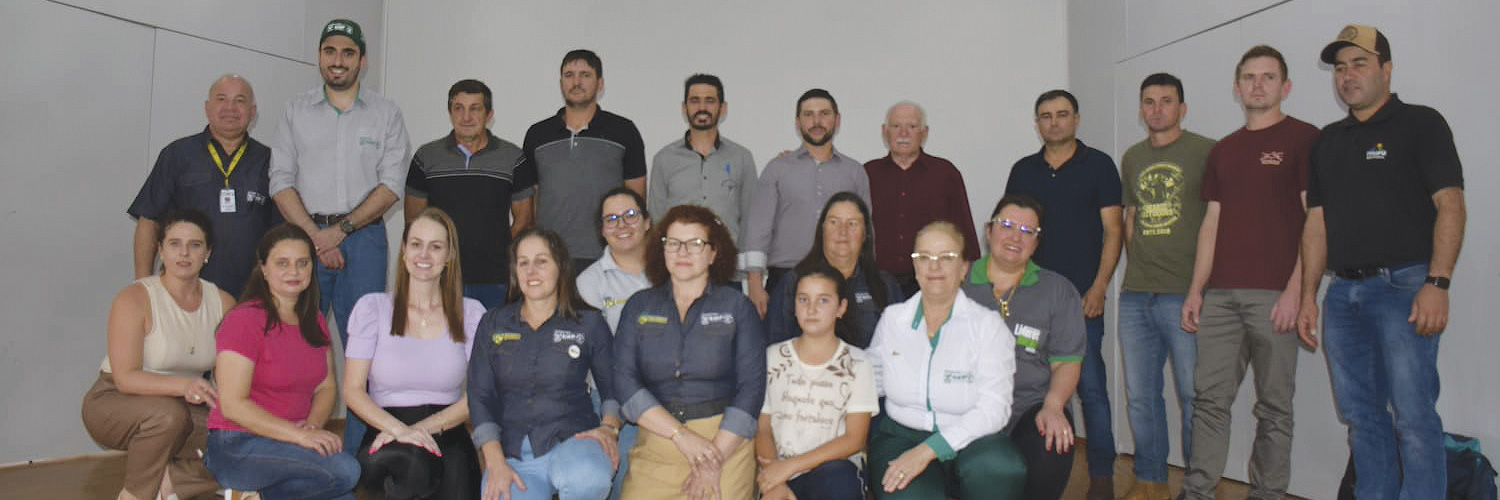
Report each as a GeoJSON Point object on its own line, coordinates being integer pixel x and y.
{"type": "Point", "coordinates": [1005, 301]}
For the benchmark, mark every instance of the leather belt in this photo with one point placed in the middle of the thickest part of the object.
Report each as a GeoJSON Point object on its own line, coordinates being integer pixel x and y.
{"type": "Point", "coordinates": [686, 412]}
{"type": "Point", "coordinates": [327, 219]}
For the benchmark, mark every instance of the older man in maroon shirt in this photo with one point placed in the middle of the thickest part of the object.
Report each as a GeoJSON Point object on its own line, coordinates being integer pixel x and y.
{"type": "Point", "coordinates": [910, 188]}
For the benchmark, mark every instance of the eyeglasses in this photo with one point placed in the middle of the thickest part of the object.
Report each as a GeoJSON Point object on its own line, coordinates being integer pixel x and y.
{"type": "Point", "coordinates": [1028, 230]}
{"type": "Point", "coordinates": [693, 246]}
{"type": "Point", "coordinates": [945, 257]}
{"type": "Point", "coordinates": [629, 216]}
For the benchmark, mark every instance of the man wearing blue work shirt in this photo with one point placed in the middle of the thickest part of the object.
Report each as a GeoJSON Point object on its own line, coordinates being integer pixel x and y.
{"type": "Point", "coordinates": [338, 162]}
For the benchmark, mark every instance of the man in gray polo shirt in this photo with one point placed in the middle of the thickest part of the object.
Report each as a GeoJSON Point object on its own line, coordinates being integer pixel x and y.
{"type": "Point", "coordinates": [337, 163]}
{"type": "Point", "coordinates": [791, 192]}
{"type": "Point", "coordinates": [703, 167]}
{"type": "Point", "coordinates": [579, 154]}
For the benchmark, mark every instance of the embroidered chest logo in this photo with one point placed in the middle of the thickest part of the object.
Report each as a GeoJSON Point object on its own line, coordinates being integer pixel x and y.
{"type": "Point", "coordinates": [647, 319]}
{"type": "Point", "coordinates": [1272, 157]}
{"type": "Point", "coordinates": [957, 377]}
{"type": "Point", "coordinates": [369, 141]}
{"type": "Point", "coordinates": [861, 297]}
{"type": "Point", "coordinates": [499, 338]}
{"type": "Point", "coordinates": [611, 302]}
{"type": "Point", "coordinates": [560, 336]}
{"type": "Point", "coordinates": [710, 318]}
{"type": "Point", "coordinates": [1376, 153]}
{"type": "Point", "coordinates": [1027, 337]}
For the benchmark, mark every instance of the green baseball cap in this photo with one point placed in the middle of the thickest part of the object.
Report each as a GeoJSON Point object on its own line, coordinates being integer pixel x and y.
{"type": "Point", "coordinates": [344, 27]}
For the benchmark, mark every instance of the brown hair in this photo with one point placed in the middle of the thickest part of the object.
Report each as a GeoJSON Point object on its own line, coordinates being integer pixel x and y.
{"type": "Point", "coordinates": [1261, 51]}
{"type": "Point", "coordinates": [720, 271]}
{"type": "Point", "coordinates": [450, 283]}
{"type": "Point", "coordinates": [569, 302]}
{"type": "Point", "coordinates": [306, 308]}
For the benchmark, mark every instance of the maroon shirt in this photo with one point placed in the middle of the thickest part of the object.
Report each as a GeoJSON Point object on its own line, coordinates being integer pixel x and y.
{"type": "Point", "coordinates": [1257, 176]}
{"type": "Point", "coordinates": [905, 200]}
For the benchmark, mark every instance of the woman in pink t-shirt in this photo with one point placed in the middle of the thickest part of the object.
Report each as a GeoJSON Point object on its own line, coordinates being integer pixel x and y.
{"type": "Point", "coordinates": [276, 385]}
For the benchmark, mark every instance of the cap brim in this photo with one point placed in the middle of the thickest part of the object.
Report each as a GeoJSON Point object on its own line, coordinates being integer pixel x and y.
{"type": "Point", "coordinates": [1331, 51]}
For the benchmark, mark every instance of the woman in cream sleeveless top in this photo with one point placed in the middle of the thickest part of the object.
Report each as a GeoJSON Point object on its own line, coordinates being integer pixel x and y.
{"type": "Point", "coordinates": [151, 399]}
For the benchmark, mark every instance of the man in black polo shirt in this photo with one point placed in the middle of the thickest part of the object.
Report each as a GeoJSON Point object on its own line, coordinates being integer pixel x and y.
{"type": "Point", "coordinates": [221, 172]}
{"type": "Point", "coordinates": [1386, 215]}
{"type": "Point", "coordinates": [579, 154]}
{"type": "Point", "coordinates": [480, 180]}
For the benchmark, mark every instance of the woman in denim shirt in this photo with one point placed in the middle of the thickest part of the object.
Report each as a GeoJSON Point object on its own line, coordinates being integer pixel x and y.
{"type": "Point", "coordinates": [528, 399]}
{"type": "Point", "coordinates": [690, 365]}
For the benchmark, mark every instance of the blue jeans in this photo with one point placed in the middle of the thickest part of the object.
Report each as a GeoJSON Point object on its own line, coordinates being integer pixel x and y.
{"type": "Point", "coordinates": [1093, 394]}
{"type": "Point", "coordinates": [837, 479]}
{"type": "Point", "coordinates": [1377, 359]}
{"type": "Point", "coordinates": [277, 469]}
{"type": "Point", "coordinates": [363, 272]}
{"type": "Point", "coordinates": [1150, 332]}
{"type": "Point", "coordinates": [489, 294]}
{"type": "Point", "coordinates": [577, 469]}
{"type": "Point", "coordinates": [625, 441]}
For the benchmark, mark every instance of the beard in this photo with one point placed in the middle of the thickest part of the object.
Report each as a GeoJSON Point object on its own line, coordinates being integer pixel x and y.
{"type": "Point", "coordinates": [807, 136]}
{"type": "Point", "coordinates": [713, 121]}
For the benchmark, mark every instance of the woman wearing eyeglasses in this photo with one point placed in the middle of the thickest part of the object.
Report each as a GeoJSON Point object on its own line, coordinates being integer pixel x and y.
{"type": "Point", "coordinates": [1042, 309]}
{"type": "Point", "coordinates": [944, 364]}
{"type": "Point", "coordinates": [690, 364]}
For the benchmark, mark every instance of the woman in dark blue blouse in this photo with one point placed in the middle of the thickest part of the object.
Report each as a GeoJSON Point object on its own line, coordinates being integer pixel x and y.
{"type": "Point", "coordinates": [528, 399]}
{"type": "Point", "coordinates": [690, 363]}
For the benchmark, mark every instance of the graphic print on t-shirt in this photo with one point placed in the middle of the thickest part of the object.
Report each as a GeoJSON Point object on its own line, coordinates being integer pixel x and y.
{"type": "Point", "coordinates": [1159, 190]}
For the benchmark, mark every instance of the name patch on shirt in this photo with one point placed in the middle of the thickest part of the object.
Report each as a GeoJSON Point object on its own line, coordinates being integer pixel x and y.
{"type": "Point", "coordinates": [710, 318]}
{"type": "Point", "coordinates": [611, 301]}
{"type": "Point", "coordinates": [560, 336]}
{"type": "Point", "coordinates": [957, 377]}
{"type": "Point", "coordinates": [861, 297]}
{"type": "Point", "coordinates": [498, 338]}
{"type": "Point", "coordinates": [648, 319]}
{"type": "Point", "coordinates": [1376, 153]}
{"type": "Point", "coordinates": [1028, 336]}
{"type": "Point", "coordinates": [369, 141]}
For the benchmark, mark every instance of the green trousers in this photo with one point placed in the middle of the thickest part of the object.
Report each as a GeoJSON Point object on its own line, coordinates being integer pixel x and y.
{"type": "Point", "coordinates": [990, 468]}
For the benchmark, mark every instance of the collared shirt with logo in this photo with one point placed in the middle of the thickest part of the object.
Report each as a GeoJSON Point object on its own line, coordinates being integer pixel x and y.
{"type": "Point", "coordinates": [334, 157]}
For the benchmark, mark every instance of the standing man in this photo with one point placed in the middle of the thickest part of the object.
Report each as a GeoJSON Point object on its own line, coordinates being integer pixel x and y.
{"type": "Point", "coordinates": [221, 172]}
{"type": "Point", "coordinates": [480, 181]}
{"type": "Point", "coordinates": [1254, 182]}
{"type": "Point", "coordinates": [1162, 176]}
{"type": "Point", "coordinates": [1386, 216]}
{"type": "Point", "coordinates": [1079, 188]}
{"type": "Point", "coordinates": [704, 168]}
{"type": "Point", "coordinates": [579, 154]}
{"type": "Point", "coordinates": [792, 190]}
{"type": "Point", "coordinates": [337, 163]}
{"type": "Point", "coordinates": [910, 188]}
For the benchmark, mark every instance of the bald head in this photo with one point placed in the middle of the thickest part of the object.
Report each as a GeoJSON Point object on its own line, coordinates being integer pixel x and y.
{"type": "Point", "coordinates": [905, 130]}
{"type": "Point", "coordinates": [230, 106]}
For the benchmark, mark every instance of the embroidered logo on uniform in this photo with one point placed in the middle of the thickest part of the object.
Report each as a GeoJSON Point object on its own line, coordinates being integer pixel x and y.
{"type": "Point", "coordinates": [861, 297]}
{"type": "Point", "coordinates": [951, 376]}
{"type": "Point", "coordinates": [1272, 157]}
{"type": "Point", "coordinates": [611, 302]}
{"type": "Point", "coordinates": [1028, 336]}
{"type": "Point", "coordinates": [710, 318]}
{"type": "Point", "coordinates": [560, 336]}
{"type": "Point", "coordinates": [367, 141]}
{"type": "Point", "coordinates": [497, 338]}
{"type": "Point", "coordinates": [574, 352]}
{"type": "Point", "coordinates": [650, 318]}
{"type": "Point", "coordinates": [1376, 153]}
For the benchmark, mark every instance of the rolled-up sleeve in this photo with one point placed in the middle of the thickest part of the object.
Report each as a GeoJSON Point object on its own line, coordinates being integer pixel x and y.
{"type": "Point", "coordinates": [758, 224]}
{"type": "Point", "coordinates": [629, 390]}
{"type": "Point", "coordinates": [749, 372]}
{"type": "Point", "coordinates": [394, 161]}
{"type": "Point", "coordinates": [283, 170]}
{"type": "Point", "coordinates": [600, 356]}
{"type": "Point", "coordinates": [484, 399]}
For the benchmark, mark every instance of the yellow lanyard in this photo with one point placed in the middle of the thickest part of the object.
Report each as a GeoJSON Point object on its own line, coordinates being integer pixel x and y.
{"type": "Point", "coordinates": [220, 163]}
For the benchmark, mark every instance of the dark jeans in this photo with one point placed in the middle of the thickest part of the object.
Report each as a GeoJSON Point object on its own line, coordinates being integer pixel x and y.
{"type": "Point", "coordinates": [363, 272]}
{"type": "Point", "coordinates": [774, 275]}
{"type": "Point", "coordinates": [492, 295]}
{"type": "Point", "coordinates": [837, 479]}
{"type": "Point", "coordinates": [1047, 472]}
{"type": "Point", "coordinates": [1093, 393]}
{"type": "Point", "coordinates": [404, 471]}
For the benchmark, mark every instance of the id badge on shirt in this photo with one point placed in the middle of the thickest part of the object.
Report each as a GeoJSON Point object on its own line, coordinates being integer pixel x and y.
{"type": "Point", "coordinates": [226, 201]}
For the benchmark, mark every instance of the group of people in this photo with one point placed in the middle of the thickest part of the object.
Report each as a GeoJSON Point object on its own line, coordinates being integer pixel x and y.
{"type": "Point", "coordinates": [599, 344]}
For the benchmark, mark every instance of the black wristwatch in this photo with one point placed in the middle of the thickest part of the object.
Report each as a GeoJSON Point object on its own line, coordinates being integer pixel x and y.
{"type": "Point", "coordinates": [347, 226]}
{"type": "Point", "coordinates": [1439, 281]}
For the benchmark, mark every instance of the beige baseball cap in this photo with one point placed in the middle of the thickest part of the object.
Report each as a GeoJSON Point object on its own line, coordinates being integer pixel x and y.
{"type": "Point", "coordinates": [1362, 36]}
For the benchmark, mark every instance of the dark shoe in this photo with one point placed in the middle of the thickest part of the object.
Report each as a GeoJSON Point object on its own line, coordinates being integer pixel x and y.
{"type": "Point", "coordinates": [1101, 488]}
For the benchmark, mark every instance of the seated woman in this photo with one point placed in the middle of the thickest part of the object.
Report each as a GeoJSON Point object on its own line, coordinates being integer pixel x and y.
{"type": "Point", "coordinates": [151, 399]}
{"type": "Point", "coordinates": [944, 364]}
{"type": "Point", "coordinates": [690, 364]}
{"type": "Point", "coordinates": [276, 385]}
{"type": "Point", "coordinates": [1044, 312]}
{"type": "Point", "coordinates": [413, 359]}
{"type": "Point", "coordinates": [820, 395]}
{"type": "Point", "coordinates": [528, 398]}
{"type": "Point", "coordinates": [844, 242]}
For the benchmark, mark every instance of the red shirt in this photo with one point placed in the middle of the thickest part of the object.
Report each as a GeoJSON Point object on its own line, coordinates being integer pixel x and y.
{"type": "Point", "coordinates": [905, 200]}
{"type": "Point", "coordinates": [1257, 176]}
{"type": "Point", "coordinates": [287, 369]}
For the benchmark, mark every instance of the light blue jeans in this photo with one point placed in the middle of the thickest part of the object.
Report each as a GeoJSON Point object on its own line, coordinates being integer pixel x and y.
{"type": "Point", "coordinates": [1151, 333]}
{"type": "Point", "coordinates": [277, 469]}
{"type": "Point", "coordinates": [1376, 361]}
{"type": "Point", "coordinates": [576, 469]}
{"type": "Point", "coordinates": [363, 272]}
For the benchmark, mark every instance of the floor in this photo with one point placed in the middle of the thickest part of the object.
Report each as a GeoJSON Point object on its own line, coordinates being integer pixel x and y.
{"type": "Point", "coordinates": [98, 476]}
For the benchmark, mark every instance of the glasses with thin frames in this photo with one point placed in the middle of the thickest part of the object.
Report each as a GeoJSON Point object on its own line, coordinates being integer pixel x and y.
{"type": "Point", "coordinates": [693, 246]}
{"type": "Point", "coordinates": [944, 258]}
{"type": "Point", "coordinates": [629, 217]}
{"type": "Point", "coordinates": [1025, 229]}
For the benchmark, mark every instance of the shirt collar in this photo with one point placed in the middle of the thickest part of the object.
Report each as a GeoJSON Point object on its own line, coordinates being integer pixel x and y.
{"type": "Point", "coordinates": [803, 152]}
{"type": "Point", "coordinates": [490, 143]}
{"type": "Point", "coordinates": [359, 99]}
{"type": "Point", "coordinates": [1385, 112]}
{"type": "Point", "coordinates": [979, 272]}
{"type": "Point", "coordinates": [1041, 155]}
{"type": "Point", "coordinates": [920, 162]}
{"type": "Point", "coordinates": [916, 320]}
{"type": "Point", "coordinates": [688, 144]}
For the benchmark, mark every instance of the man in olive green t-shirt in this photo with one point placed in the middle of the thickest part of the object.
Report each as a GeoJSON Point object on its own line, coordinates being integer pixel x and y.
{"type": "Point", "coordinates": [1161, 177]}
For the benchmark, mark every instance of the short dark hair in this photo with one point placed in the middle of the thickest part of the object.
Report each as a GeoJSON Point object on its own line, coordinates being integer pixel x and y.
{"type": "Point", "coordinates": [1164, 79]}
{"type": "Point", "coordinates": [190, 216]}
{"type": "Point", "coordinates": [720, 271]}
{"type": "Point", "coordinates": [817, 94]}
{"type": "Point", "coordinates": [703, 79]}
{"type": "Point", "coordinates": [1019, 200]}
{"type": "Point", "coordinates": [1261, 50]}
{"type": "Point", "coordinates": [472, 86]}
{"type": "Point", "coordinates": [1053, 94]}
{"type": "Point", "coordinates": [640, 203]}
{"type": "Point", "coordinates": [588, 57]}
{"type": "Point", "coordinates": [568, 300]}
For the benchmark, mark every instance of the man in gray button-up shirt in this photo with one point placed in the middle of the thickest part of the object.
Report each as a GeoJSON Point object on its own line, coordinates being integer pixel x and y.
{"type": "Point", "coordinates": [704, 168]}
{"type": "Point", "coordinates": [791, 192]}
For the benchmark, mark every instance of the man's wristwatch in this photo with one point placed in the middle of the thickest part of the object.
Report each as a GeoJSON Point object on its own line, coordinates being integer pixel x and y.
{"type": "Point", "coordinates": [1439, 281]}
{"type": "Point", "coordinates": [346, 225]}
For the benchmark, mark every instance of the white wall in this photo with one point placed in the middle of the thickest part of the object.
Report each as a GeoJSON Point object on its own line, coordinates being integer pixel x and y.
{"type": "Point", "coordinates": [93, 91]}
{"type": "Point", "coordinates": [1434, 45]}
{"type": "Point", "coordinates": [975, 66]}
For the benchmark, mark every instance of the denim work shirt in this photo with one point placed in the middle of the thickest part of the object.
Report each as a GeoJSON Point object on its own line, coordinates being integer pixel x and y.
{"type": "Point", "coordinates": [526, 382]}
{"type": "Point", "coordinates": [717, 352]}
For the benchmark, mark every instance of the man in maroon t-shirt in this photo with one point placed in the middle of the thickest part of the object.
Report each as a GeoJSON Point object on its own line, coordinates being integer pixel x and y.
{"type": "Point", "coordinates": [1247, 280]}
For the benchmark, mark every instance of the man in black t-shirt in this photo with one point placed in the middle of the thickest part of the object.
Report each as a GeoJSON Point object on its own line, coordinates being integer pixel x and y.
{"type": "Point", "coordinates": [481, 182]}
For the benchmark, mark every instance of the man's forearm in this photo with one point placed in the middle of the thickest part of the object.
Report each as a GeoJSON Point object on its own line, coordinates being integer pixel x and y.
{"type": "Point", "coordinates": [1114, 234]}
{"type": "Point", "coordinates": [1314, 252]}
{"type": "Point", "coordinates": [144, 246]}
{"type": "Point", "coordinates": [374, 205]}
{"type": "Point", "coordinates": [289, 201]}
{"type": "Point", "coordinates": [1448, 231]}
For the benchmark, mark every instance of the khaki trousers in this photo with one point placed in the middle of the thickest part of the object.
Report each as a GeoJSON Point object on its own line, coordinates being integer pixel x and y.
{"type": "Point", "coordinates": [657, 469]}
{"type": "Point", "coordinates": [160, 434]}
